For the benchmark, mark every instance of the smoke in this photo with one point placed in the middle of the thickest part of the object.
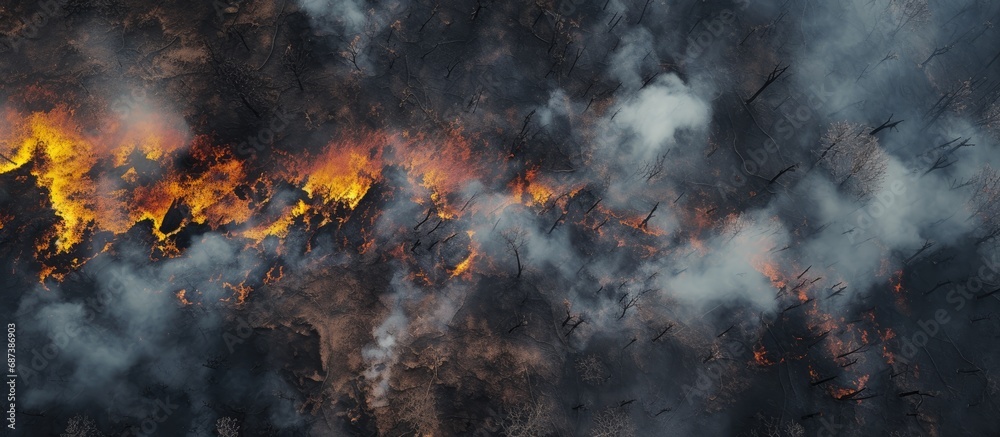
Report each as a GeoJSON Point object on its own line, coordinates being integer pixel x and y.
{"type": "Point", "coordinates": [618, 179]}
{"type": "Point", "coordinates": [655, 116]}
{"type": "Point", "coordinates": [112, 338]}
{"type": "Point", "coordinates": [349, 14]}
{"type": "Point", "coordinates": [381, 356]}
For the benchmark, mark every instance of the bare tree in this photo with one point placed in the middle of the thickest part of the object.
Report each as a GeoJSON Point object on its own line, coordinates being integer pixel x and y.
{"type": "Point", "coordinates": [990, 119]}
{"type": "Point", "coordinates": [515, 238]}
{"type": "Point", "coordinates": [854, 158]}
{"type": "Point", "coordinates": [592, 370]}
{"type": "Point", "coordinates": [985, 201]}
{"type": "Point", "coordinates": [353, 50]}
{"type": "Point", "coordinates": [113, 10]}
{"type": "Point", "coordinates": [419, 410]}
{"type": "Point", "coordinates": [653, 168]}
{"type": "Point", "coordinates": [532, 419]}
{"type": "Point", "coordinates": [771, 78]}
{"type": "Point", "coordinates": [773, 427]}
{"type": "Point", "coordinates": [906, 12]}
{"type": "Point", "coordinates": [963, 93]}
{"type": "Point", "coordinates": [944, 153]}
{"type": "Point", "coordinates": [736, 224]}
{"type": "Point", "coordinates": [81, 426]}
{"type": "Point", "coordinates": [227, 427]}
{"type": "Point", "coordinates": [240, 80]}
{"type": "Point", "coordinates": [294, 60]}
{"type": "Point", "coordinates": [613, 422]}
{"type": "Point", "coordinates": [630, 299]}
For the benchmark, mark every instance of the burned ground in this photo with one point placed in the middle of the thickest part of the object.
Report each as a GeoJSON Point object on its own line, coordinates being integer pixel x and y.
{"type": "Point", "coordinates": [525, 218]}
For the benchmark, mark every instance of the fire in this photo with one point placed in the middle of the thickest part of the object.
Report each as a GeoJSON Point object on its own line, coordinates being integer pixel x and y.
{"type": "Point", "coordinates": [530, 191]}
{"type": "Point", "coordinates": [466, 264]}
{"type": "Point", "coordinates": [886, 335]}
{"type": "Point", "coordinates": [241, 290]}
{"type": "Point", "coordinates": [890, 358]}
{"type": "Point", "coordinates": [441, 165]}
{"type": "Point", "coordinates": [281, 226]}
{"type": "Point", "coordinates": [126, 174]}
{"type": "Point", "coordinates": [540, 194]}
{"type": "Point", "coordinates": [897, 281]}
{"type": "Point", "coordinates": [760, 356]}
{"type": "Point", "coordinates": [772, 272]}
{"type": "Point", "coordinates": [63, 162]}
{"type": "Point", "coordinates": [63, 159]}
{"type": "Point", "coordinates": [181, 297]}
{"type": "Point", "coordinates": [274, 274]}
{"type": "Point", "coordinates": [801, 295]}
{"type": "Point", "coordinates": [343, 175]}
{"type": "Point", "coordinates": [533, 190]}
{"type": "Point", "coordinates": [850, 392]}
{"type": "Point", "coordinates": [432, 181]}
{"type": "Point", "coordinates": [210, 196]}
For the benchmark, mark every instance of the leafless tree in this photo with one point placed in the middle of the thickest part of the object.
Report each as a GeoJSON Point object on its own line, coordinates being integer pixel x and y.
{"type": "Point", "coordinates": [515, 238]}
{"type": "Point", "coordinates": [771, 78]}
{"type": "Point", "coordinates": [888, 124]}
{"type": "Point", "coordinates": [630, 299]}
{"type": "Point", "coordinates": [991, 120]}
{"type": "Point", "coordinates": [113, 10]}
{"type": "Point", "coordinates": [956, 100]}
{"type": "Point", "coordinates": [81, 426]}
{"type": "Point", "coordinates": [227, 427]}
{"type": "Point", "coordinates": [943, 153]}
{"type": "Point", "coordinates": [592, 370]}
{"type": "Point", "coordinates": [890, 56]}
{"type": "Point", "coordinates": [854, 158]}
{"type": "Point", "coordinates": [653, 168]}
{"type": "Point", "coordinates": [773, 427]}
{"type": "Point", "coordinates": [907, 12]}
{"type": "Point", "coordinates": [241, 80]}
{"type": "Point", "coordinates": [352, 51]}
{"type": "Point", "coordinates": [294, 60]}
{"type": "Point", "coordinates": [613, 422]}
{"type": "Point", "coordinates": [736, 224]}
{"type": "Point", "coordinates": [963, 93]}
{"type": "Point", "coordinates": [938, 51]}
{"type": "Point", "coordinates": [532, 419]}
{"type": "Point", "coordinates": [985, 201]}
{"type": "Point", "coordinates": [419, 410]}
